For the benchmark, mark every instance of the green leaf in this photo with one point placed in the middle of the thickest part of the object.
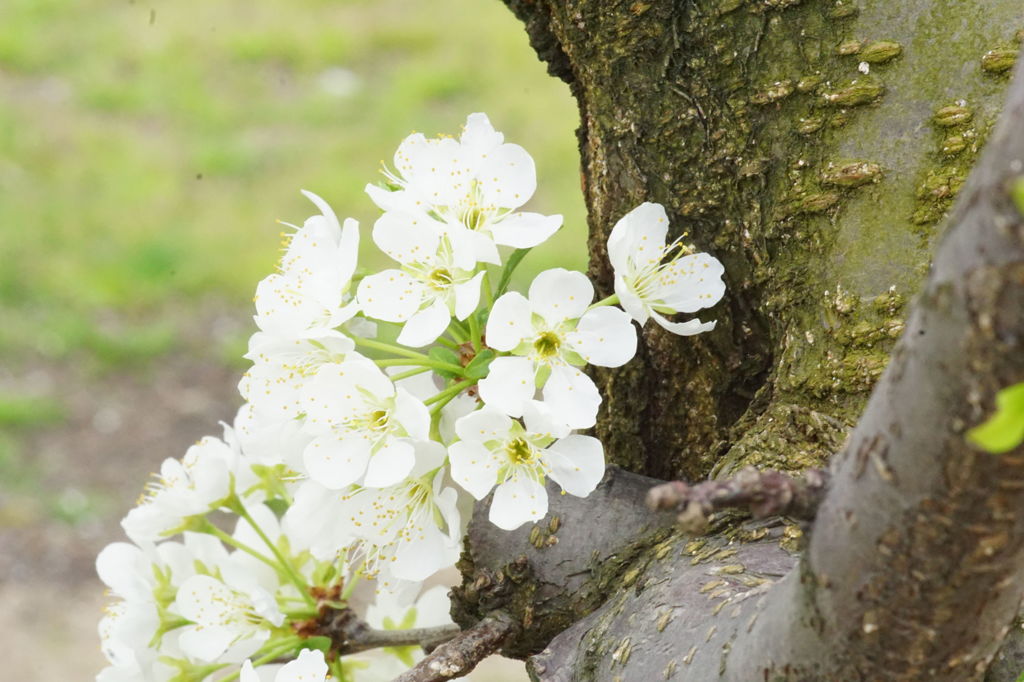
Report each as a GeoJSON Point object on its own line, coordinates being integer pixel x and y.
{"type": "Point", "coordinates": [510, 266]}
{"type": "Point", "coordinates": [1017, 193]}
{"type": "Point", "coordinates": [479, 366]}
{"type": "Point", "coordinates": [1004, 430]}
{"type": "Point", "coordinates": [447, 356]}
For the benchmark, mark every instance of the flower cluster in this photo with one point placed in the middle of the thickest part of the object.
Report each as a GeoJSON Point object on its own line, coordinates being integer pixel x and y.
{"type": "Point", "coordinates": [377, 407]}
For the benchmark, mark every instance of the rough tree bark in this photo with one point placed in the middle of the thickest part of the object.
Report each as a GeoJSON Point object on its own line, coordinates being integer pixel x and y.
{"type": "Point", "coordinates": [815, 147]}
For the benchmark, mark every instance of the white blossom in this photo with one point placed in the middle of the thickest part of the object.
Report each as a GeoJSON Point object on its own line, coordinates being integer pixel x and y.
{"type": "Point", "coordinates": [471, 188]}
{"type": "Point", "coordinates": [183, 488]}
{"type": "Point", "coordinates": [551, 334]}
{"type": "Point", "coordinates": [495, 449]}
{"type": "Point", "coordinates": [310, 296]}
{"type": "Point", "coordinates": [429, 288]}
{"type": "Point", "coordinates": [223, 616]}
{"type": "Point", "coordinates": [365, 428]}
{"type": "Point", "coordinates": [310, 666]}
{"type": "Point", "coordinates": [653, 279]}
{"type": "Point", "coordinates": [406, 531]}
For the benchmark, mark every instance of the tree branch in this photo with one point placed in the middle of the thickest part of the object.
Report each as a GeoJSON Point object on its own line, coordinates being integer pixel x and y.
{"type": "Point", "coordinates": [461, 654]}
{"type": "Point", "coordinates": [915, 564]}
{"type": "Point", "coordinates": [768, 493]}
{"type": "Point", "coordinates": [350, 635]}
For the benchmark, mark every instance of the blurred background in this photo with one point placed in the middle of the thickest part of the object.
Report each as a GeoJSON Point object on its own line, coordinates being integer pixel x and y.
{"type": "Point", "coordinates": [146, 150]}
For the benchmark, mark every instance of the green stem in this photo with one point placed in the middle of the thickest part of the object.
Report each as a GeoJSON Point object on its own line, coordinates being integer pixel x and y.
{"type": "Point", "coordinates": [446, 396]}
{"type": "Point", "coordinates": [474, 332]}
{"type": "Point", "coordinates": [611, 300]}
{"type": "Point", "coordinates": [429, 364]}
{"type": "Point", "coordinates": [338, 670]}
{"type": "Point", "coordinates": [299, 583]}
{"type": "Point", "coordinates": [447, 342]}
{"type": "Point", "coordinates": [388, 348]}
{"type": "Point", "coordinates": [409, 373]}
{"type": "Point", "coordinates": [300, 614]}
{"type": "Point", "coordinates": [241, 546]}
{"type": "Point", "coordinates": [461, 328]}
{"type": "Point", "coordinates": [488, 294]}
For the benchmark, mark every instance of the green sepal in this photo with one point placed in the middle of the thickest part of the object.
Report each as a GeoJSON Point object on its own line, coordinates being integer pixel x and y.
{"type": "Point", "coordinates": [1004, 430]}
{"type": "Point", "coordinates": [480, 365]}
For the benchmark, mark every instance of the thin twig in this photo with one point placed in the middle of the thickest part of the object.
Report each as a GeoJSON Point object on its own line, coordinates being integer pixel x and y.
{"type": "Point", "coordinates": [350, 635]}
{"type": "Point", "coordinates": [460, 655]}
{"type": "Point", "coordinates": [763, 493]}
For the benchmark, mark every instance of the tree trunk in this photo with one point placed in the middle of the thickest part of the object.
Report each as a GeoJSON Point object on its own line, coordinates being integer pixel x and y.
{"type": "Point", "coordinates": [814, 146]}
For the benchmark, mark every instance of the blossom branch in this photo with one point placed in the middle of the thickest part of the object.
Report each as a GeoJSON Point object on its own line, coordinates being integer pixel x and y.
{"type": "Point", "coordinates": [460, 655]}
{"type": "Point", "coordinates": [763, 493]}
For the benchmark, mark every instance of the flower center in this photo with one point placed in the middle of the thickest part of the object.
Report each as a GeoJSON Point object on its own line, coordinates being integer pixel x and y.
{"type": "Point", "coordinates": [547, 344]}
{"type": "Point", "coordinates": [519, 451]}
{"type": "Point", "coordinates": [378, 420]}
{"type": "Point", "coordinates": [474, 218]}
{"type": "Point", "coordinates": [441, 278]}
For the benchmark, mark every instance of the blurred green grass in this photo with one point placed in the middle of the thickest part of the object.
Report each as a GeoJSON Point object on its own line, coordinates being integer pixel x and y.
{"type": "Point", "coordinates": [146, 148]}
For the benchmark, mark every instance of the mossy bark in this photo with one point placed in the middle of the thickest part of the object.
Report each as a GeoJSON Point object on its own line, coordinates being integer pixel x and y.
{"type": "Point", "coordinates": [820, 188]}
{"type": "Point", "coordinates": [815, 147]}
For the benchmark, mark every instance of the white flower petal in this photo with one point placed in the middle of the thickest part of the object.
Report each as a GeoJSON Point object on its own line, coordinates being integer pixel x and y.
{"type": "Point", "coordinates": [509, 322]}
{"type": "Point", "coordinates": [540, 419]}
{"type": "Point", "coordinates": [425, 326]}
{"type": "Point", "coordinates": [639, 236]}
{"type": "Point", "coordinates": [424, 553]}
{"type": "Point", "coordinates": [630, 302]}
{"type": "Point", "coordinates": [474, 467]}
{"type": "Point", "coordinates": [429, 456]}
{"type": "Point", "coordinates": [282, 309]}
{"type": "Point", "coordinates": [428, 167]}
{"type": "Point", "coordinates": [470, 247]}
{"type": "Point", "coordinates": [412, 414]}
{"type": "Point", "coordinates": [390, 464]}
{"type": "Point", "coordinates": [483, 426]}
{"type": "Point", "coordinates": [479, 139]}
{"type": "Point", "coordinates": [507, 177]}
{"type": "Point", "coordinates": [247, 674]}
{"type": "Point", "coordinates": [467, 296]}
{"type": "Point", "coordinates": [577, 463]}
{"type": "Point", "coordinates": [391, 200]}
{"type": "Point", "coordinates": [206, 644]}
{"type": "Point", "coordinates": [525, 230]}
{"type": "Point", "coordinates": [203, 599]}
{"type": "Point", "coordinates": [508, 385]}
{"type": "Point", "coordinates": [688, 328]}
{"type": "Point", "coordinates": [310, 666]}
{"type": "Point", "coordinates": [117, 565]}
{"type": "Point", "coordinates": [518, 501]}
{"type": "Point", "coordinates": [605, 337]}
{"type": "Point", "coordinates": [390, 295]}
{"type": "Point", "coordinates": [692, 283]}
{"type": "Point", "coordinates": [559, 294]}
{"type": "Point", "coordinates": [338, 392]}
{"type": "Point", "coordinates": [572, 397]}
{"type": "Point", "coordinates": [406, 237]}
{"type": "Point", "coordinates": [335, 463]}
